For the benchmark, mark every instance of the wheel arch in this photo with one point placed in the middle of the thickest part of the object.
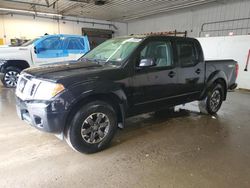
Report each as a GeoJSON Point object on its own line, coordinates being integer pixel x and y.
{"type": "Point", "coordinates": [224, 85]}
{"type": "Point", "coordinates": [118, 103]}
{"type": "Point", "coordinates": [21, 64]}
{"type": "Point", "coordinates": [215, 77]}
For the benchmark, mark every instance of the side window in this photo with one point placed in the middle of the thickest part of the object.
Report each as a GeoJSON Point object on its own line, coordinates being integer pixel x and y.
{"type": "Point", "coordinates": [187, 54]}
{"type": "Point", "coordinates": [143, 53]}
{"type": "Point", "coordinates": [160, 52]}
{"type": "Point", "coordinates": [75, 43]}
{"type": "Point", "coordinates": [53, 43]}
{"type": "Point", "coordinates": [51, 47]}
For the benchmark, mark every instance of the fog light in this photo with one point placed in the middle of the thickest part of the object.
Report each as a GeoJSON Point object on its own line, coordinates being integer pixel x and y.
{"type": "Point", "coordinates": [38, 121]}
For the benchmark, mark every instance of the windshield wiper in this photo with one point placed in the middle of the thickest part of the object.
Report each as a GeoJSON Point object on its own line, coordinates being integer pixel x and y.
{"type": "Point", "coordinates": [84, 59]}
{"type": "Point", "coordinates": [99, 61]}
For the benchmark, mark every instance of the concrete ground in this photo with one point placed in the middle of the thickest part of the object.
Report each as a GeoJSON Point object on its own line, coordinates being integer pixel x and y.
{"type": "Point", "coordinates": [184, 149]}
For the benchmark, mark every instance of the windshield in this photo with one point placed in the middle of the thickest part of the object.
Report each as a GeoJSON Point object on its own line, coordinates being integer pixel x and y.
{"type": "Point", "coordinates": [29, 42]}
{"type": "Point", "coordinates": [113, 51]}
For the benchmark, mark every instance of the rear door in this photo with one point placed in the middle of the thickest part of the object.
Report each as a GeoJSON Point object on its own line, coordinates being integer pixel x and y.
{"type": "Point", "coordinates": [75, 47]}
{"type": "Point", "coordinates": [191, 69]}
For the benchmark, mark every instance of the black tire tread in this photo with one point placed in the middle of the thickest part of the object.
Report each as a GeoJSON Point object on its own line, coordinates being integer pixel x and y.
{"type": "Point", "coordinates": [204, 104]}
{"type": "Point", "coordinates": [74, 140]}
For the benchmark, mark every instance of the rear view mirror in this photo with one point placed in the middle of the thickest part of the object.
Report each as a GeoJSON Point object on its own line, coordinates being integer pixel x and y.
{"type": "Point", "coordinates": [147, 63]}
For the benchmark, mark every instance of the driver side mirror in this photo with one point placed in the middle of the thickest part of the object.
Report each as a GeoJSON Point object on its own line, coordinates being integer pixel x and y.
{"type": "Point", "coordinates": [147, 63]}
{"type": "Point", "coordinates": [35, 50]}
{"type": "Point", "coordinates": [38, 50]}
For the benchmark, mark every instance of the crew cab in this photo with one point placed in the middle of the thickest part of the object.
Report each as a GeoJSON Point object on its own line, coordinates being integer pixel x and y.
{"type": "Point", "coordinates": [43, 50]}
{"type": "Point", "coordinates": [87, 101]}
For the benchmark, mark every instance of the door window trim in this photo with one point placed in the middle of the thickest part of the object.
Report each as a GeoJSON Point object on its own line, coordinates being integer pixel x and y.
{"type": "Point", "coordinates": [155, 68]}
{"type": "Point", "coordinates": [197, 61]}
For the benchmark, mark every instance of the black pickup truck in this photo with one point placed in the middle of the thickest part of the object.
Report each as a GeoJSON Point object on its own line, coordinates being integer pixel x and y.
{"type": "Point", "coordinates": [86, 101]}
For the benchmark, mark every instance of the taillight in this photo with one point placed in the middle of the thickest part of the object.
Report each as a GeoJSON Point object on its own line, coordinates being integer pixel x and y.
{"type": "Point", "coordinates": [237, 69]}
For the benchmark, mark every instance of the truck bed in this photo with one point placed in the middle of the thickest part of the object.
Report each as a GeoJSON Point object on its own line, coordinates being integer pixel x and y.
{"type": "Point", "coordinates": [228, 66]}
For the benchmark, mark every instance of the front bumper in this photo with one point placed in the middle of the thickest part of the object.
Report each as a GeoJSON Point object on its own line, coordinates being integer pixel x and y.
{"type": "Point", "coordinates": [40, 116]}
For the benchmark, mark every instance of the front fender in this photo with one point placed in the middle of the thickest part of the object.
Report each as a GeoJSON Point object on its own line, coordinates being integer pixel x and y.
{"type": "Point", "coordinates": [80, 94]}
{"type": "Point", "coordinates": [2, 65]}
{"type": "Point", "coordinates": [21, 64]}
{"type": "Point", "coordinates": [95, 87]}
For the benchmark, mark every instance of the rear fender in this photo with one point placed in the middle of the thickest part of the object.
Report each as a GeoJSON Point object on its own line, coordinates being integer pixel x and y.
{"type": "Point", "coordinates": [217, 76]}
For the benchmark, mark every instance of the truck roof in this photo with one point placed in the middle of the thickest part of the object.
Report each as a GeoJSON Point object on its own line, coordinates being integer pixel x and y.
{"type": "Point", "coordinates": [62, 35]}
{"type": "Point", "coordinates": [57, 35]}
{"type": "Point", "coordinates": [144, 36]}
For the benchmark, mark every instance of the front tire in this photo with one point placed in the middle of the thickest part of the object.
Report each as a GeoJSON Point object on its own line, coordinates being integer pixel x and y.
{"type": "Point", "coordinates": [10, 77]}
{"type": "Point", "coordinates": [212, 103]}
{"type": "Point", "coordinates": [92, 128]}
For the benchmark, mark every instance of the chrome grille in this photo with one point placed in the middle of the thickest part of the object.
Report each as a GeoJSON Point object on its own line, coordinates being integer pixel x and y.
{"type": "Point", "coordinates": [21, 84]}
{"type": "Point", "coordinates": [26, 87]}
{"type": "Point", "coordinates": [32, 89]}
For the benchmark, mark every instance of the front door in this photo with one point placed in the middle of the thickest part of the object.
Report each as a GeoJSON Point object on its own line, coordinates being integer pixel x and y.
{"type": "Point", "coordinates": [154, 86]}
{"type": "Point", "coordinates": [49, 50]}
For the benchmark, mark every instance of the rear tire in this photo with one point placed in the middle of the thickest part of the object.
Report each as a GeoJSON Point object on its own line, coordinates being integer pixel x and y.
{"type": "Point", "coordinates": [92, 128]}
{"type": "Point", "coordinates": [212, 103]}
{"type": "Point", "coordinates": [11, 76]}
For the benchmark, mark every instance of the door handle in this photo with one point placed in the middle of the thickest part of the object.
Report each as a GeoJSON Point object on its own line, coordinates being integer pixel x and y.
{"type": "Point", "coordinates": [171, 74]}
{"type": "Point", "coordinates": [198, 71]}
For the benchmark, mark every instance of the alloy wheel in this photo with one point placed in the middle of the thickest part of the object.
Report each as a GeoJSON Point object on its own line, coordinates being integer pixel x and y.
{"type": "Point", "coordinates": [215, 100]}
{"type": "Point", "coordinates": [95, 128]}
{"type": "Point", "coordinates": [11, 78]}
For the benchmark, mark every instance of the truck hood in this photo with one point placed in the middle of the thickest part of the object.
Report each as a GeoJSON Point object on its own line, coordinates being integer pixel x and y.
{"type": "Point", "coordinates": [4, 46]}
{"type": "Point", "coordinates": [66, 71]}
{"type": "Point", "coordinates": [7, 53]}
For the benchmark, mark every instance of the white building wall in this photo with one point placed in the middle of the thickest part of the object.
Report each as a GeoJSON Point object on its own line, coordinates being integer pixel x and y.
{"type": "Point", "coordinates": [228, 47]}
{"type": "Point", "coordinates": [191, 20]}
{"type": "Point", "coordinates": [28, 27]}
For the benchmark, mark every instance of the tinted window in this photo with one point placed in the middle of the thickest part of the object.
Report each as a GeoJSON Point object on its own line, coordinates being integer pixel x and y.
{"type": "Point", "coordinates": [51, 47]}
{"type": "Point", "coordinates": [53, 43]}
{"type": "Point", "coordinates": [160, 52]}
{"type": "Point", "coordinates": [187, 53]}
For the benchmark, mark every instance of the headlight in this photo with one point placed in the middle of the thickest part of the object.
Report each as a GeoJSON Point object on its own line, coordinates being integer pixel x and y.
{"type": "Point", "coordinates": [47, 90]}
